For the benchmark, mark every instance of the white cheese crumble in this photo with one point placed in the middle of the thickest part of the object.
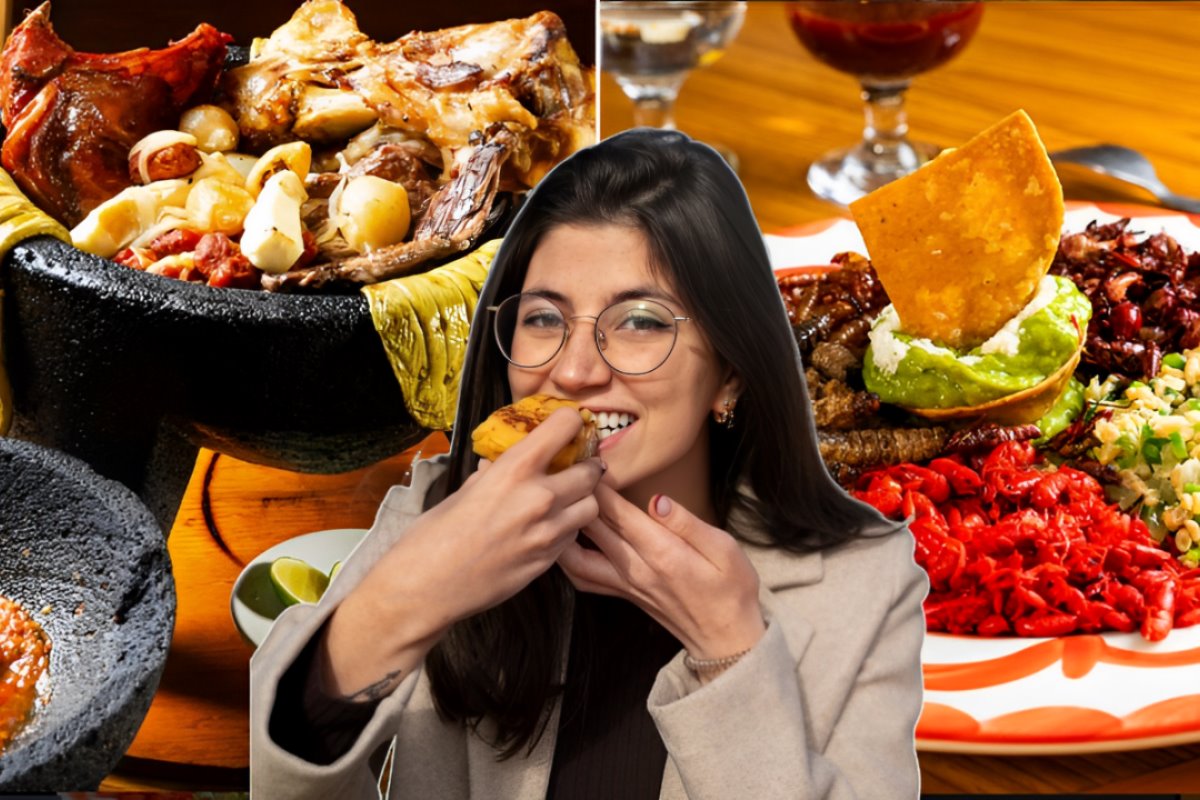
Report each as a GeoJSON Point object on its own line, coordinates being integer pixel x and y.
{"type": "Point", "coordinates": [886, 350]}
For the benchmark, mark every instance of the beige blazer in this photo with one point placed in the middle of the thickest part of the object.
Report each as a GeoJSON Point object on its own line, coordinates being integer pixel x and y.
{"type": "Point", "coordinates": [823, 707]}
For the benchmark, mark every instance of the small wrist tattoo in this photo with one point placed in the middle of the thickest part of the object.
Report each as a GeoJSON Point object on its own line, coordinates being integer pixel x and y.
{"type": "Point", "coordinates": [379, 689]}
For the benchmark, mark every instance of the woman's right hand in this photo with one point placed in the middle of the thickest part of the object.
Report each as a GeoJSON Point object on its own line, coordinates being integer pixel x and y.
{"type": "Point", "coordinates": [504, 527]}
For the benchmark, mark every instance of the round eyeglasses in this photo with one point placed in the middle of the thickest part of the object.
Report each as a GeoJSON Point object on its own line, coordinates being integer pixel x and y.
{"type": "Point", "coordinates": [633, 336]}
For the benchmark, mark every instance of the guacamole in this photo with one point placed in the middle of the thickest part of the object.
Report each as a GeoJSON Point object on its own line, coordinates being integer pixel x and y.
{"type": "Point", "coordinates": [1066, 408]}
{"type": "Point", "coordinates": [907, 371]}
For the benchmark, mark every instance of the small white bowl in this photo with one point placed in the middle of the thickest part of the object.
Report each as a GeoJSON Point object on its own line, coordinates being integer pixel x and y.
{"type": "Point", "coordinates": [255, 604]}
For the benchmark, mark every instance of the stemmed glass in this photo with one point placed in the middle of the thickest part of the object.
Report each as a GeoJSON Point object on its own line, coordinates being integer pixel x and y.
{"type": "Point", "coordinates": [650, 47]}
{"type": "Point", "coordinates": [884, 45]}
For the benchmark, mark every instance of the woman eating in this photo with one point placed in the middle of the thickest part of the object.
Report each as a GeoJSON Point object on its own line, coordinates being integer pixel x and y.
{"type": "Point", "coordinates": [696, 611]}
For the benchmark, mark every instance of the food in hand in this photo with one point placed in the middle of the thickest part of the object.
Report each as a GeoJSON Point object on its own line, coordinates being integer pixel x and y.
{"type": "Point", "coordinates": [510, 424]}
{"type": "Point", "coordinates": [1013, 546]}
{"type": "Point", "coordinates": [24, 660]}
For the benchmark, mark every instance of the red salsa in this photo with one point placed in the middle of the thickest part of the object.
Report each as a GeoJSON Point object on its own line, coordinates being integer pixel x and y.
{"type": "Point", "coordinates": [24, 658]}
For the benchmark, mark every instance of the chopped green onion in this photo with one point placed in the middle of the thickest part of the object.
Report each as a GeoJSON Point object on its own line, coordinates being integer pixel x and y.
{"type": "Point", "coordinates": [1193, 404]}
{"type": "Point", "coordinates": [1152, 449]}
{"type": "Point", "coordinates": [1177, 445]}
{"type": "Point", "coordinates": [1153, 519]}
{"type": "Point", "coordinates": [1175, 360]}
{"type": "Point", "coordinates": [1191, 487]}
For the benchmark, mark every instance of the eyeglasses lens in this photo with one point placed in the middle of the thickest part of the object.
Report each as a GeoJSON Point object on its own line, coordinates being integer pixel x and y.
{"type": "Point", "coordinates": [634, 337]}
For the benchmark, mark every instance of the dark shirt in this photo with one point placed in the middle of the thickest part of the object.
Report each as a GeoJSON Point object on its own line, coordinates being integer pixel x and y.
{"type": "Point", "coordinates": [607, 743]}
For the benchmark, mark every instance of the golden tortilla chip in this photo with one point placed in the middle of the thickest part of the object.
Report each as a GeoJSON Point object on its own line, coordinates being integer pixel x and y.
{"type": "Point", "coordinates": [962, 243]}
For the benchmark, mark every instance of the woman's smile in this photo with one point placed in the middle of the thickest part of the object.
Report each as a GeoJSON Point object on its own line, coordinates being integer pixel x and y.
{"type": "Point", "coordinates": [612, 427]}
{"type": "Point", "coordinates": [653, 426]}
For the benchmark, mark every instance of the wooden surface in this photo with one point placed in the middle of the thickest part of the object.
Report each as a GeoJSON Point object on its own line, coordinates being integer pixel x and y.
{"type": "Point", "coordinates": [196, 734]}
{"type": "Point", "coordinates": [1125, 73]}
{"type": "Point", "coordinates": [1120, 72]}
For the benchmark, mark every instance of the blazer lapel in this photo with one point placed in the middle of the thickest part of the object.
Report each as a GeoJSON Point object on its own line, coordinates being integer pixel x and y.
{"type": "Point", "coordinates": [518, 778]}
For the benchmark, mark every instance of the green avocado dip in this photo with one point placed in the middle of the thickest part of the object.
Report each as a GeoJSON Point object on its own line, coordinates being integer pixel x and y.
{"type": "Point", "coordinates": [1066, 408]}
{"type": "Point", "coordinates": [907, 371]}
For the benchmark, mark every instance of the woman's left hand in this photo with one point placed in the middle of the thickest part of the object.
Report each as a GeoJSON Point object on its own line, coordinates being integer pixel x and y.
{"type": "Point", "coordinates": [692, 578]}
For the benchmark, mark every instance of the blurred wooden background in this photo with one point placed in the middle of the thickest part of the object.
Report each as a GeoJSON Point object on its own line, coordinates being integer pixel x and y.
{"type": "Point", "coordinates": [1087, 72]}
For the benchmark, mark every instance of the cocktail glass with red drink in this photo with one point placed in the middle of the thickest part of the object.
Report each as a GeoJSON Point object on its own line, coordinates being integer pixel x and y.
{"type": "Point", "coordinates": [884, 45]}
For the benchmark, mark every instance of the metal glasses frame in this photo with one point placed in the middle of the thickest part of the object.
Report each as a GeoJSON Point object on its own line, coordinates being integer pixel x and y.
{"type": "Point", "coordinates": [597, 334]}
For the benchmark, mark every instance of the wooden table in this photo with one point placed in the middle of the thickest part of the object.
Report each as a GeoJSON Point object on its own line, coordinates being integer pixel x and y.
{"type": "Point", "coordinates": [196, 734]}
{"type": "Point", "coordinates": [1126, 73]}
{"type": "Point", "coordinates": [1120, 72]}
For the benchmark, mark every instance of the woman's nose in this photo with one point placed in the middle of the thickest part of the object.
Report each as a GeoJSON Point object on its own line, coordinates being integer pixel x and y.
{"type": "Point", "coordinates": [579, 363]}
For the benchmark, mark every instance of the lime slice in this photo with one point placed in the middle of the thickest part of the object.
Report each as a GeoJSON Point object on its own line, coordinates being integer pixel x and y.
{"type": "Point", "coordinates": [334, 570]}
{"type": "Point", "coordinates": [297, 581]}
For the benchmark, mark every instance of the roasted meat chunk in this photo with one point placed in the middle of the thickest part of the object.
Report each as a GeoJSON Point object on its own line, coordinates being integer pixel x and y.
{"type": "Point", "coordinates": [72, 117]}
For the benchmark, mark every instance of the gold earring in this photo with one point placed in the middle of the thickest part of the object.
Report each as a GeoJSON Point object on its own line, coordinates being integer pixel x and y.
{"type": "Point", "coordinates": [725, 415]}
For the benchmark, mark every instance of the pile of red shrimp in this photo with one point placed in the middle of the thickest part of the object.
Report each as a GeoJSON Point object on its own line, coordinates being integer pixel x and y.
{"type": "Point", "coordinates": [1015, 547]}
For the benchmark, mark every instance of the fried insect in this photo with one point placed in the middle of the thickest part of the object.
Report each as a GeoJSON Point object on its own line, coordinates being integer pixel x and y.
{"type": "Point", "coordinates": [1145, 295]}
{"type": "Point", "coordinates": [844, 409]}
{"type": "Point", "coordinates": [835, 360]}
{"type": "Point", "coordinates": [990, 435]}
{"type": "Point", "coordinates": [881, 445]}
{"type": "Point", "coordinates": [836, 306]}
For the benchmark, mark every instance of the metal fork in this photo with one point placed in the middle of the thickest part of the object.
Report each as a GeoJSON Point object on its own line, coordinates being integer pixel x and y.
{"type": "Point", "coordinates": [1129, 166]}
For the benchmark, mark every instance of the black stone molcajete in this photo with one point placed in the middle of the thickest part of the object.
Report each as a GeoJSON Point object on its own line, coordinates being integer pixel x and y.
{"type": "Point", "coordinates": [87, 560]}
{"type": "Point", "coordinates": [132, 372]}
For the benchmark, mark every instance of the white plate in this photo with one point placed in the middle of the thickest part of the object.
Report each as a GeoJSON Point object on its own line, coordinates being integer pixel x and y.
{"type": "Point", "coordinates": [255, 604]}
{"type": "Point", "coordinates": [1072, 694]}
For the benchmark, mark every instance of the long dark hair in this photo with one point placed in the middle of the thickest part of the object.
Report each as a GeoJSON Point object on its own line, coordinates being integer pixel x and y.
{"type": "Point", "coordinates": [507, 663]}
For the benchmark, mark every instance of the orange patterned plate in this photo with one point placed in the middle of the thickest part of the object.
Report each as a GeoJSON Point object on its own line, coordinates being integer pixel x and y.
{"type": "Point", "coordinates": [1071, 694]}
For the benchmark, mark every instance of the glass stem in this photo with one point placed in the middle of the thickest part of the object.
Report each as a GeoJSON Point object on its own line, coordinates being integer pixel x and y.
{"type": "Point", "coordinates": [886, 121]}
{"type": "Point", "coordinates": [653, 97]}
{"type": "Point", "coordinates": [655, 112]}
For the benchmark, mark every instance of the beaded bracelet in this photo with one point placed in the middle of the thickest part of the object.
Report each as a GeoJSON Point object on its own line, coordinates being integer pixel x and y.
{"type": "Point", "coordinates": [712, 666]}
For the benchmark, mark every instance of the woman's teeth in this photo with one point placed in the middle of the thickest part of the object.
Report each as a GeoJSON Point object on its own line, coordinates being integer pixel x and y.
{"type": "Point", "coordinates": [608, 423]}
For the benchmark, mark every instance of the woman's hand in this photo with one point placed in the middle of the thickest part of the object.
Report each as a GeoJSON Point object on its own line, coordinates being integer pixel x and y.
{"type": "Point", "coordinates": [691, 577]}
{"type": "Point", "coordinates": [506, 525]}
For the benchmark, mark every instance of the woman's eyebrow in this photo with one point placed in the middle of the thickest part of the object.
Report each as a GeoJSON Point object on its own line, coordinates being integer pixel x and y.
{"type": "Point", "coordinates": [645, 293]}
{"type": "Point", "coordinates": [636, 293]}
{"type": "Point", "coordinates": [548, 294]}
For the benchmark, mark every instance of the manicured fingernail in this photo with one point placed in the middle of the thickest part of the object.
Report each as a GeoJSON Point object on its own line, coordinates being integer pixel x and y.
{"type": "Point", "coordinates": [662, 505]}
